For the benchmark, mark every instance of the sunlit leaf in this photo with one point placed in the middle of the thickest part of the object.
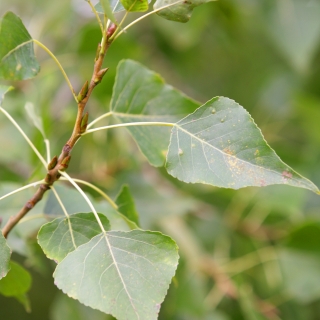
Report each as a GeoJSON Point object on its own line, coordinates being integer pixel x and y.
{"type": "Point", "coordinates": [140, 95]}
{"type": "Point", "coordinates": [135, 5]}
{"type": "Point", "coordinates": [108, 9]}
{"type": "Point", "coordinates": [17, 281]}
{"type": "Point", "coordinates": [116, 6]}
{"type": "Point", "coordinates": [219, 144]}
{"type": "Point", "coordinates": [126, 274]}
{"type": "Point", "coordinates": [17, 59]}
{"type": "Point", "coordinates": [179, 11]}
{"type": "Point", "coordinates": [5, 254]}
{"type": "Point", "coordinates": [61, 236]}
{"type": "Point", "coordinates": [126, 205]}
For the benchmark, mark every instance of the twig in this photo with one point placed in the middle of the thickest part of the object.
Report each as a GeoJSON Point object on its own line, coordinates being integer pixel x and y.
{"type": "Point", "coordinates": [60, 163]}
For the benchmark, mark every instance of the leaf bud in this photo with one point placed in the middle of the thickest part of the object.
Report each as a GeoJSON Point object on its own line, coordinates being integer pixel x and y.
{"type": "Point", "coordinates": [100, 75]}
{"type": "Point", "coordinates": [53, 163]}
{"type": "Point", "coordinates": [64, 163]}
{"type": "Point", "coordinates": [111, 30]}
{"type": "Point", "coordinates": [84, 122]}
{"type": "Point", "coordinates": [83, 92]}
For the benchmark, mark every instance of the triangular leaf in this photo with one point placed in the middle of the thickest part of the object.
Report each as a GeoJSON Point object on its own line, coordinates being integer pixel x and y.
{"type": "Point", "coordinates": [61, 236]}
{"type": "Point", "coordinates": [140, 95]}
{"type": "Point", "coordinates": [180, 12]}
{"type": "Point", "coordinates": [126, 205]}
{"type": "Point", "coordinates": [17, 59]}
{"type": "Point", "coordinates": [3, 91]}
{"type": "Point", "coordinates": [126, 274]}
{"type": "Point", "coordinates": [5, 254]}
{"type": "Point", "coordinates": [219, 144]}
{"type": "Point", "coordinates": [116, 6]}
{"type": "Point", "coordinates": [135, 5]}
{"type": "Point", "coordinates": [17, 282]}
{"type": "Point", "coordinates": [108, 9]}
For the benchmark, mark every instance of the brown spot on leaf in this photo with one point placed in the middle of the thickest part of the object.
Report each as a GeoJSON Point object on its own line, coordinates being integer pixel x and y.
{"type": "Point", "coordinates": [286, 174]}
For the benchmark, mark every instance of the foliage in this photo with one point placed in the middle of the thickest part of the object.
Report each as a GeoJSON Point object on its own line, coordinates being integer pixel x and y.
{"type": "Point", "coordinates": [246, 254]}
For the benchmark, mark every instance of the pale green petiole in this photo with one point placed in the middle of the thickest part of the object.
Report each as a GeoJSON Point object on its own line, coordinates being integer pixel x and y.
{"type": "Point", "coordinates": [92, 186]}
{"type": "Point", "coordinates": [58, 64]}
{"type": "Point", "coordinates": [47, 143]}
{"type": "Point", "coordinates": [99, 118]}
{"type": "Point", "coordinates": [65, 213]}
{"type": "Point", "coordinates": [33, 184]}
{"type": "Point", "coordinates": [145, 16]}
{"type": "Point", "coordinates": [25, 137]}
{"type": "Point", "coordinates": [96, 14]}
{"type": "Point", "coordinates": [64, 174]}
{"type": "Point", "coordinates": [131, 124]}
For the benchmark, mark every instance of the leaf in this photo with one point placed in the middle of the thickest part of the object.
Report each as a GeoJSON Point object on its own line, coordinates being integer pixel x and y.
{"type": "Point", "coordinates": [17, 281]}
{"type": "Point", "coordinates": [57, 240]}
{"type": "Point", "coordinates": [180, 12]}
{"type": "Point", "coordinates": [135, 5]}
{"type": "Point", "coordinates": [108, 9]}
{"type": "Point", "coordinates": [219, 144]}
{"type": "Point", "coordinates": [74, 203]}
{"type": "Point", "coordinates": [3, 91]}
{"type": "Point", "coordinates": [115, 5]}
{"type": "Point", "coordinates": [301, 272]}
{"type": "Point", "coordinates": [126, 205]}
{"type": "Point", "coordinates": [126, 274]}
{"type": "Point", "coordinates": [17, 58]}
{"type": "Point", "coordinates": [305, 237]}
{"type": "Point", "coordinates": [5, 254]}
{"type": "Point", "coordinates": [140, 95]}
{"type": "Point", "coordinates": [37, 121]}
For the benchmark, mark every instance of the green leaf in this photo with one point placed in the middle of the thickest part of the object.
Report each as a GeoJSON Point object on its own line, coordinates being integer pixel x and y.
{"type": "Point", "coordinates": [60, 236]}
{"type": "Point", "coordinates": [17, 58]}
{"type": "Point", "coordinates": [305, 237]}
{"type": "Point", "coordinates": [115, 5]}
{"type": "Point", "coordinates": [108, 9]}
{"type": "Point", "coordinates": [3, 91]}
{"type": "Point", "coordinates": [37, 121]}
{"type": "Point", "coordinates": [180, 12]}
{"type": "Point", "coordinates": [140, 95]}
{"type": "Point", "coordinates": [219, 144]}
{"type": "Point", "coordinates": [17, 281]}
{"type": "Point", "coordinates": [126, 205]}
{"type": "Point", "coordinates": [301, 273]}
{"type": "Point", "coordinates": [135, 5]}
{"type": "Point", "coordinates": [126, 274]}
{"type": "Point", "coordinates": [5, 253]}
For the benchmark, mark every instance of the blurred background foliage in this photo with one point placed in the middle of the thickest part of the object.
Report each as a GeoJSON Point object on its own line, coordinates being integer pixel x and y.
{"type": "Point", "coordinates": [248, 254]}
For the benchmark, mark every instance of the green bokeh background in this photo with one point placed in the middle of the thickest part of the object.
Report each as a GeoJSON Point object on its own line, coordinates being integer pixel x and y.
{"type": "Point", "coordinates": [247, 254]}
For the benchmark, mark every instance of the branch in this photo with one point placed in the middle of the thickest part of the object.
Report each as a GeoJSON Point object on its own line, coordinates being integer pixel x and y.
{"type": "Point", "coordinates": [61, 163]}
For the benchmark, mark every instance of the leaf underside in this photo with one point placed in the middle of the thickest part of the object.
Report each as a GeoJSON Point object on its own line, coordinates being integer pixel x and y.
{"type": "Point", "coordinates": [126, 274]}
{"type": "Point", "coordinates": [180, 12]}
{"type": "Point", "coordinates": [140, 95]}
{"type": "Point", "coordinates": [17, 58]}
{"type": "Point", "coordinates": [219, 144]}
{"type": "Point", "coordinates": [126, 205]}
{"type": "Point", "coordinates": [60, 236]}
